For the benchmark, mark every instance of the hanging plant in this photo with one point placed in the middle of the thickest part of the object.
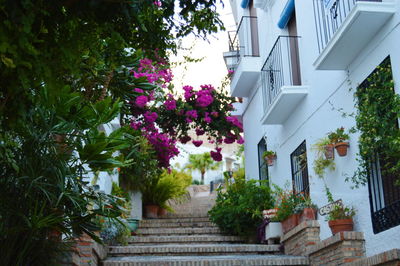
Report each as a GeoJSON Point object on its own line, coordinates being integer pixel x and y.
{"type": "Point", "coordinates": [269, 157]}
{"type": "Point", "coordinates": [339, 139]}
{"type": "Point", "coordinates": [324, 160]}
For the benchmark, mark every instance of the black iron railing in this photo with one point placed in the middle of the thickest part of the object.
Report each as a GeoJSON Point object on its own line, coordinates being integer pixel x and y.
{"type": "Point", "coordinates": [329, 16]}
{"type": "Point", "coordinates": [244, 41]}
{"type": "Point", "coordinates": [281, 68]}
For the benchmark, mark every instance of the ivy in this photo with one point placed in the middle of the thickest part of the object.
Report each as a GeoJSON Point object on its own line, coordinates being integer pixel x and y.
{"type": "Point", "coordinates": [377, 119]}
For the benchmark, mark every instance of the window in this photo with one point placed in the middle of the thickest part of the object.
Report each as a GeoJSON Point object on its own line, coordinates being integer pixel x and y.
{"type": "Point", "coordinates": [383, 193]}
{"type": "Point", "coordinates": [298, 161]}
{"type": "Point", "coordinates": [262, 164]}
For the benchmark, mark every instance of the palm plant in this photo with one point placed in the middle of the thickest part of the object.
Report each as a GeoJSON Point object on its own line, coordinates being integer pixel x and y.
{"type": "Point", "coordinates": [202, 163]}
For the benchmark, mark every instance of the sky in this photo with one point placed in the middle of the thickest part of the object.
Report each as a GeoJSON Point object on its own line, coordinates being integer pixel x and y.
{"type": "Point", "coordinates": [212, 69]}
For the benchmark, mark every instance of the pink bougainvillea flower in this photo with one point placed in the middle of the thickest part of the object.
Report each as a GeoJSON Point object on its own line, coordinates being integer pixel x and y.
{"type": "Point", "coordinates": [207, 118]}
{"type": "Point", "coordinates": [185, 139]}
{"type": "Point", "coordinates": [204, 98]}
{"type": "Point", "coordinates": [136, 125]}
{"type": "Point", "coordinates": [229, 140]}
{"type": "Point", "coordinates": [197, 143]}
{"type": "Point", "coordinates": [216, 155]}
{"type": "Point", "coordinates": [192, 114]}
{"type": "Point", "coordinates": [214, 114]}
{"type": "Point", "coordinates": [230, 72]}
{"type": "Point", "coordinates": [199, 131]}
{"type": "Point", "coordinates": [157, 3]}
{"type": "Point", "coordinates": [138, 90]}
{"type": "Point", "coordinates": [188, 92]}
{"type": "Point", "coordinates": [170, 103]}
{"type": "Point", "coordinates": [150, 117]}
{"type": "Point", "coordinates": [240, 140]}
{"type": "Point", "coordinates": [141, 101]}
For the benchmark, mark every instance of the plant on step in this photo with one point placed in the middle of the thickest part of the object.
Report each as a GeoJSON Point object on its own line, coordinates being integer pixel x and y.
{"type": "Point", "coordinates": [169, 185]}
{"type": "Point", "coordinates": [321, 161]}
{"type": "Point", "coordinates": [114, 232]}
{"type": "Point", "coordinates": [238, 210]}
{"type": "Point", "coordinates": [287, 203]}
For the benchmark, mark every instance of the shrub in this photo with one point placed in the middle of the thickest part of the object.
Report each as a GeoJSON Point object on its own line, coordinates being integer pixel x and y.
{"type": "Point", "coordinates": [288, 203]}
{"type": "Point", "coordinates": [238, 210]}
{"type": "Point", "coordinates": [115, 232]}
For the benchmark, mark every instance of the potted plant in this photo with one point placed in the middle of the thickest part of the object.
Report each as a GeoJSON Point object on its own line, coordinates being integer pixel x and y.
{"type": "Point", "coordinates": [273, 230]}
{"type": "Point", "coordinates": [339, 138]}
{"type": "Point", "coordinates": [286, 205]}
{"type": "Point", "coordinates": [307, 210]}
{"type": "Point", "coordinates": [340, 218]}
{"type": "Point", "coordinates": [269, 157]}
{"type": "Point", "coordinates": [324, 156]}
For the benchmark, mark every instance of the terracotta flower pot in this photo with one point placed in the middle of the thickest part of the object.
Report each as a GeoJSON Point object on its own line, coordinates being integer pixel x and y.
{"type": "Point", "coordinates": [329, 151]}
{"type": "Point", "coordinates": [151, 211]}
{"type": "Point", "coordinates": [270, 159]}
{"type": "Point", "coordinates": [291, 222]}
{"type": "Point", "coordinates": [307, 215]}
{"type": "Point", "coordinates": [341, 225]}
{"type": "Point", "coordinates": [162, 212]}
{"type": "Point", "coordinates": [341, 148]}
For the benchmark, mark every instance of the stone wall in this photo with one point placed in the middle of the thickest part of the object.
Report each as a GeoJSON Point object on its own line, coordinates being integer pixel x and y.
{"type": "Point", "coordinates": [85, 251]}
{"type": "Point", "coordinates": [342, 248]}
{"type": "Point", "coordinates": [299, 238]}
{"type": "Point", "coordinates": [388, 258]}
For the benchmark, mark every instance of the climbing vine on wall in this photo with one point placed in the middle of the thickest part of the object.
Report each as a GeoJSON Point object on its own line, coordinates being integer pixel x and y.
{"type": "Point", "coordinates": [377, 120]}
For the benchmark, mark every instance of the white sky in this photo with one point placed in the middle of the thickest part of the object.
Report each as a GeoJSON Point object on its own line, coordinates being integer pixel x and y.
{"type": "Point", "coordinates": [212, 69]}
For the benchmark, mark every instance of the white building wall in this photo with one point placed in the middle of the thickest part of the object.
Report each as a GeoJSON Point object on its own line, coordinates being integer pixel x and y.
{"type": "Point", "coordinates": [318, 114]}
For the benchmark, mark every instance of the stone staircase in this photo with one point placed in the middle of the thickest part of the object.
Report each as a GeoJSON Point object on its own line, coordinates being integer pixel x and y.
{"type": "Point", "coordinates": [188, 238]}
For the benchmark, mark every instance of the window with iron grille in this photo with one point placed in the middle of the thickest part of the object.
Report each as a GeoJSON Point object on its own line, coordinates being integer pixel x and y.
{"type": "Point", "coordinates": [298, 160]}
{"type": "Point", "coordinates": [262, 164]}
{"type": "Point", "coordinates": [383, 193]}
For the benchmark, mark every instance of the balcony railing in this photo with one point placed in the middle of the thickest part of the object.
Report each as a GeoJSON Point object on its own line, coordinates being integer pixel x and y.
{"type": "Point", "coordinates": [244, 41]}
{"type": "Point", "coordinates": [329, 16]}
{"type": "Point", "coordinates": [281, 68]}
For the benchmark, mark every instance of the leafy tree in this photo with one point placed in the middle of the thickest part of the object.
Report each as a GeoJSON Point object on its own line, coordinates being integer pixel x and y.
{"type": "Point", "coordinates": [202, 163]}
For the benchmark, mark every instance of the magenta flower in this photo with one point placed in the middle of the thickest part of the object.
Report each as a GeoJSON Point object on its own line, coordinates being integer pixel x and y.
{"type": "Point", "coordinates": [185, 139]}
{"type": "Point", "coordinates": [157, 3]}
{"type": "Point", "coordinates": [217, 156]}
{"type": "Point", "coordinates": [229, 140]}
{"type": "Point", "coordinates": [197, 143]}
{"type": "Point", "coordinates": [207, 118]}
{"type": "Point", "coordinates": [141, 101]}
{"type": "Point", "coordinates": [150, 117]}
{"type": "Point", "coordinates": [170, 103]}
{"type": "Point", "coordinates": [188, 92]}
{"type": "Point", "coordinates": [214, 114]}
{"type": "Point", "coordinates": [191, 114]}
{"type": "Point", "coordinates": [138, 90]}
{"type": "Point", "coordinates": [204, 98]}
{"type": "Point", "coordinates": [199, 131]}
{"type": "Point", "coordinates": [240, 140]}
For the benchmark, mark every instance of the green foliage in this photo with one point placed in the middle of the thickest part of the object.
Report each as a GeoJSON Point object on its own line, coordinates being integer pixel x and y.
{"type": "Point", "coordinates": [338, 136]}
{"type": "Point", "coordinates": [377, 120]}
{"type": "Point", "coordinates": [202, 163]}
{"type": "Point", "coordinates": [321, 163]}
{"type": "Point", "coordinates": [288, 202]}
{"type": "Point", "coordinates": [341, 212]}
{"type": "Point", "coordinates": [269, 154]}
{"type": "Point", "coordinates": [238, 210]}
{"type": "Point", "coordinates": [168, 185]}
{"type": "Point", "coordinates": [197, 182]}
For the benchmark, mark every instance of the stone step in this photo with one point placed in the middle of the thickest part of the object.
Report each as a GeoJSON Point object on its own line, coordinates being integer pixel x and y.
{"type": "Point", "coordinates": [183, 239]}
{"type": "Point", "coordinates": [178, 231]}
{"type": "Point", "coordinates": [177, 220]}
{"type": "Point", "coordinates": [192, 249]}
{"type": "Point", "coordinates": [176, 224]}
{"type": "Point", "coordinates": [227, 260]}
{"type": "Point", "coordinates": [188, 214]}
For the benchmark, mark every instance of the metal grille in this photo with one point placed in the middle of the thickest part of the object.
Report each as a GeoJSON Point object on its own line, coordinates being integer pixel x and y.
{"type": "Point", "coordinates": [299, 170]}
{"type": "Point", "coordinates": [262, 165]}
{"type": "Point", "coordinates": [244, 41]}
{"type": "Point", "coordinates": [281, 68]}
{"type": "Point", "coordinates": [329, 16]}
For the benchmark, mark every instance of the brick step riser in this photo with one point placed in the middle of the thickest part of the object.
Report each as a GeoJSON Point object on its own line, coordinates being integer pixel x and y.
{"type": "Point", "coordinates": [192, 254]}
{"type": "Point", "coordinates": [219, 262]}
{"type": "Point", "coordinates": [176, 225]}
{"type": "Point", "coordinates": [184, 243]}
{"type": "Point", "coordinates": [179, 231]}
{"type": "Point", "coordinates": [176, 220]}
{"type": "Point", "coordinates": [181, 239]}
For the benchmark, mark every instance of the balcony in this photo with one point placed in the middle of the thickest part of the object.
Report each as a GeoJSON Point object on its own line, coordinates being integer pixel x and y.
{"type": "Point", "coordinates": [243, 57]}
{"type": "Point", "coordinates": [239, 109]}
{"type": "Point", "coordinates": [281, 79]}
{"type": "Point", "coordinates": [345, 27]}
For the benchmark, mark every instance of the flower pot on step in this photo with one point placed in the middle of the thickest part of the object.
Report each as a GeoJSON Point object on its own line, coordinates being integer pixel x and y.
{"type": "Point", "coordinates": [162, 212]}
{"type": "Point", "coordinates": [341, 148]}
{"type": "Point", "coordinates": [307, 214]}
{"type": "Point", "coordinates": [273, 230]}
{"type": "Point", "coordinates": [151, 211]}
{"type": "Point", "coordinates": [291, 222]}
{"type": "Point", "coordinates": [341, 225]}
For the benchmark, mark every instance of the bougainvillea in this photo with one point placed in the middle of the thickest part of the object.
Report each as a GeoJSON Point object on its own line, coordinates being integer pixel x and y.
{"type": "Point", "coordinates": [165, 119]}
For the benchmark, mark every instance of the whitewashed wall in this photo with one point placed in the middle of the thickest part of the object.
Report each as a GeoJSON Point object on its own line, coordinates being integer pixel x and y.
{"type": "Point", "coordinates": [315, 117]}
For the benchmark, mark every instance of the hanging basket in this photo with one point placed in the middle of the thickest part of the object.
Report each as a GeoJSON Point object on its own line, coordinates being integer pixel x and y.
{"type": "Point", "coordinates": [341, 148]}
{"type": "Point", "coordinates": [270, 159]}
